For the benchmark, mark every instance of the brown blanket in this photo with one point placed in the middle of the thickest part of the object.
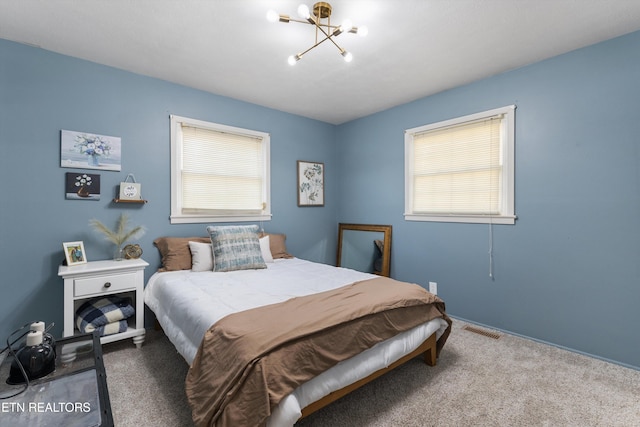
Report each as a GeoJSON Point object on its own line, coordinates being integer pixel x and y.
{"type": "Point", "coordinates": [248, 361]}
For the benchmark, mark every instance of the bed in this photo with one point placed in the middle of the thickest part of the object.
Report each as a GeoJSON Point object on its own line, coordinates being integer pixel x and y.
{"type": "Point", "coordinates": [204, 312]}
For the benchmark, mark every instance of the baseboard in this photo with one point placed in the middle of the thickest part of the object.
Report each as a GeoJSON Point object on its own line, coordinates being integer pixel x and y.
{"type": "Point", "coordinates": [572, 350]}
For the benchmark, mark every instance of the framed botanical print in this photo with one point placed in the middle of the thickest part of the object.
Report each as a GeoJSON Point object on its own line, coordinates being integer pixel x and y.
{"type": "Point", "coordinates": [310, 183]}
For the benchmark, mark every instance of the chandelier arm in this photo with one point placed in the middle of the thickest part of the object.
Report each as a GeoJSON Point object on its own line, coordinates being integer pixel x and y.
{"type": "Point", "coordinates": [310, 22]}
{"type": "Point", "coordinates": [327, 37]}
{"type": "Point", "coordinates": [335, 44]}
{"type": "Point", "coordinates": [315, 45]}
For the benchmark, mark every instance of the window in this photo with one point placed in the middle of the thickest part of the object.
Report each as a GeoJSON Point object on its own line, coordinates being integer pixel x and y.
{"type": "Point", "coordinates": [218, 173]}
{"type": "Point", "coordinates": [462, 170]}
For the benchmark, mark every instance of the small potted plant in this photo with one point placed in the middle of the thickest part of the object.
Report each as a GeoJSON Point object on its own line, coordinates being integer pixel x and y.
{"type": "Point", "coordinates": [120, 235]}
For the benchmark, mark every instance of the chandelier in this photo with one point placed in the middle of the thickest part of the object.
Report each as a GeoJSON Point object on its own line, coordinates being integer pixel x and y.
{"type": "Point", "coordinates": [321, 20]}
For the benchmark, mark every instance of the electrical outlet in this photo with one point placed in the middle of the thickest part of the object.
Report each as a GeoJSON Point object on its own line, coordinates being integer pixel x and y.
{"type": "Point", "coordinates": [433, 288]}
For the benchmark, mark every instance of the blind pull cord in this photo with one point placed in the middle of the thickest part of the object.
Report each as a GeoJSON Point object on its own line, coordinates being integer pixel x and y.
{"type": "Point", "coordinates": [490, 249]}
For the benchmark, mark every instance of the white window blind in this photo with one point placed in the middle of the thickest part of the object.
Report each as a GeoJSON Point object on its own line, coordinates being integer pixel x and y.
{"type": "Point", "coordinates": [221, 173]}
{"type": "Point", "coordinates": [461, 170]}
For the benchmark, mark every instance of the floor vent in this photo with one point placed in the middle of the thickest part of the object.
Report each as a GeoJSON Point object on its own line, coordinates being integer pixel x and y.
{"type": "Point", "coordinates": [494, 335]}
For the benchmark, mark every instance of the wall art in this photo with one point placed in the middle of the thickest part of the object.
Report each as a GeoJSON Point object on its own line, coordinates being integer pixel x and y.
{"type": "Point", "coordinates": [74, 253]}
{"type": "Point", "coordinates": [310, 183]}
{"type": "Point", "coordinates": [82, 150]}
{"type": "Point", "coordinates": [82, 186]}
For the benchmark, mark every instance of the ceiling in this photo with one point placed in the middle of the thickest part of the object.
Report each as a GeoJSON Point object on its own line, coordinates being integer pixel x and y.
{"type": "Point", "coordinates": [414, 48]}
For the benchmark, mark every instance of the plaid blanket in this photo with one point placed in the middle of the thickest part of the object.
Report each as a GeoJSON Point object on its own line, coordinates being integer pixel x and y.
{"type": "Point", "coordinates": [98, 313]}
{"type": "Point", "coordinates": [112, 328]}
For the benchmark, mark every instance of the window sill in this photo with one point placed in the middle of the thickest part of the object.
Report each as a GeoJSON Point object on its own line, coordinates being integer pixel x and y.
{"type": "Point", "coordinates": [203, 219]}
{"type": "Point", "coordinates": [471, 219]}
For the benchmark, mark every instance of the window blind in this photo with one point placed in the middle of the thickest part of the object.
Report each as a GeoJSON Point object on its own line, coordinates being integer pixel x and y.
{"type": "Point", "coordinates": [222, 173]}
{"type": "Point", "coordinates": [458, 169]}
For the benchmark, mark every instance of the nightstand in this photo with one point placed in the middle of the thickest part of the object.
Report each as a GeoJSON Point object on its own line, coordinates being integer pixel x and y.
{"type": "Point", "coordinates": [100, 278]}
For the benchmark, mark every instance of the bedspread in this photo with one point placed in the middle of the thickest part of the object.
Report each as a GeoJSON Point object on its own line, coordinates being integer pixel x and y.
{"type": "Point", "coordinates": [248, 361]}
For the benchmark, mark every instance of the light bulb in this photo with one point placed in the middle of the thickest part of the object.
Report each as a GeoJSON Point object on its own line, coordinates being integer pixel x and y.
{"type": "Point", "coordinates": [346, 26]}
{"type": "Point", "coordinates": [272, 16]}
{"type": "Point", "coordinates": [363, 31]}
{"type": "Point", "coordinates": [293, 59]}
{"type": "Point", "coordinates": [303, 11]}
{"type": "Point", "coordinates": [348, 57]}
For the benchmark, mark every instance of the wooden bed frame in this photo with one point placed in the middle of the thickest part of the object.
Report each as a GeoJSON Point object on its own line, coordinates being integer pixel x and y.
{"type": "Point", "coordinates": [428, 348]}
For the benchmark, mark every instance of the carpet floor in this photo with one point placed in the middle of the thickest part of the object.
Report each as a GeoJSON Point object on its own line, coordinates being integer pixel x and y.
{"type": "Point", "coordinates": [478, 381]}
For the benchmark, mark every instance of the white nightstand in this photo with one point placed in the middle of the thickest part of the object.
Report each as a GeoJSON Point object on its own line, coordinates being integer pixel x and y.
{"type": "Point", "coordinates": [99, 278]}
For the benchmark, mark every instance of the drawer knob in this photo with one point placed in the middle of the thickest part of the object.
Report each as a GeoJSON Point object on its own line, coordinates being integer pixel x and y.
{"type": "Point", "coordinates": [107, 285]}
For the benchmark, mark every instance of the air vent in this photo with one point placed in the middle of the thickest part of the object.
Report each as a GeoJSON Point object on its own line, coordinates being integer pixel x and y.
{"type": "Point", "coordinates": [493, 335]}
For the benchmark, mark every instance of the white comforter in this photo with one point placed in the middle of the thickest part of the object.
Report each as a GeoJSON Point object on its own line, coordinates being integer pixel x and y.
{"type": "Point", "coordinates": [186, 304]}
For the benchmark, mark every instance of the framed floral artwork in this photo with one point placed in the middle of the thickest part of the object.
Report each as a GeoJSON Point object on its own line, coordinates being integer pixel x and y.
{"type": "Point", "coordinates": [82, 186]}
{"type": "Point", "coordinates": [310, 183]}
{"type": "Point", "coordinates": [74, 253]}
{"type": "Point", "coordinates": [82, 150]}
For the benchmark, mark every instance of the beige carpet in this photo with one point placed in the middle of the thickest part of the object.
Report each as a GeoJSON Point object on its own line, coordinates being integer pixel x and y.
{"type": "Point", "coordinates": [479, 381]}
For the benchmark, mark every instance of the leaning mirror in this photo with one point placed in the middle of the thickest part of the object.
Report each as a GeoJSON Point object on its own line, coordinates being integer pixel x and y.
{"type": "Point", "coordinates": [365, 247]}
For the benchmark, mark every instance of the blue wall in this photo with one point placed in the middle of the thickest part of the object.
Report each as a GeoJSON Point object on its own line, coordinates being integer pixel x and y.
{"type": "Point", "coordinates": [43, 92]}
{"type": "Point", "coordinates": [568, 272]}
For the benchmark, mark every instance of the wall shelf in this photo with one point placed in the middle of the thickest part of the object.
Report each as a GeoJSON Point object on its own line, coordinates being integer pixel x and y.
{"type": "Point", "coordinates": [141, 201]}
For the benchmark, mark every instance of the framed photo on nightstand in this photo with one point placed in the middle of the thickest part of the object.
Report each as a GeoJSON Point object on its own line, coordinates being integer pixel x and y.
{"type": "Point", "coordinates": [74, 253]}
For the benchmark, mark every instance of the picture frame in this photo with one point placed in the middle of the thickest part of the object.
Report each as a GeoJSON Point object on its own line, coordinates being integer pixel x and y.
{"type": "Point", "coordinates": [83, 150]}
{"type": "Point", "coordinates": [82, 186]}
{"type": "Point", "coordinates": [310, 183]}
{"type": "Point", "coordinates": [74, 253]}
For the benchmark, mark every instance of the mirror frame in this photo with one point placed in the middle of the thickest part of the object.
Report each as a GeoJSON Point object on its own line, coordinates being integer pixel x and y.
{"type": "Point", "coordinates": [386, 253]}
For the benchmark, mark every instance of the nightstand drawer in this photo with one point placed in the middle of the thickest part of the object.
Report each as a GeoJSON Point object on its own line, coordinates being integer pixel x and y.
{"type": "Point", "coordinates": [104, 284]}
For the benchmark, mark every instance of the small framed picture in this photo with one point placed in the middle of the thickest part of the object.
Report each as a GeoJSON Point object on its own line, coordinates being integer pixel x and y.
{"type": "Point", "coordinates": [310, 183]}
{"type": "Point", "coordinates": [82, 186]}
{"type": "Point", "coordinates": [74, 253]}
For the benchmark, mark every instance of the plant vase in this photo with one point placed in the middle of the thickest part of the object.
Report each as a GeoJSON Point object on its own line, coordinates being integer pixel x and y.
{"type": "Point", "coordinates": [93, 160]}
{"type": "Point", "coordinates": [83, 192]}
{"type": "Point", "coordinates": [118, 253]}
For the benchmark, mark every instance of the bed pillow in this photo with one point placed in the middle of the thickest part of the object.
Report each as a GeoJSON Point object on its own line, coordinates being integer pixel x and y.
{"type": "Point", "coordinates": [277, 245]}
{"type": "Point", "coordinates": [201, 256]}
{"type": "Point", "coordinates": [174, 252]}
{"type": "Point", "coordinates": [265, 249]}
{"type": "Point", "coordinates": [235, 247]}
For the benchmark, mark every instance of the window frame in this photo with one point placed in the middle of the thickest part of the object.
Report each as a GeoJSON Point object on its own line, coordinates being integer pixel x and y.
{"type": "Point", "coordinates": [507, 146]}
{"type": "Point", "coordinates": [177, 216]}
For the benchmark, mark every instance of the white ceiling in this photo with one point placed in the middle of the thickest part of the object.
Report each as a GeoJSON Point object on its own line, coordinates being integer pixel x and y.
{"type": "Point", "coordinates": [414, 48]}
